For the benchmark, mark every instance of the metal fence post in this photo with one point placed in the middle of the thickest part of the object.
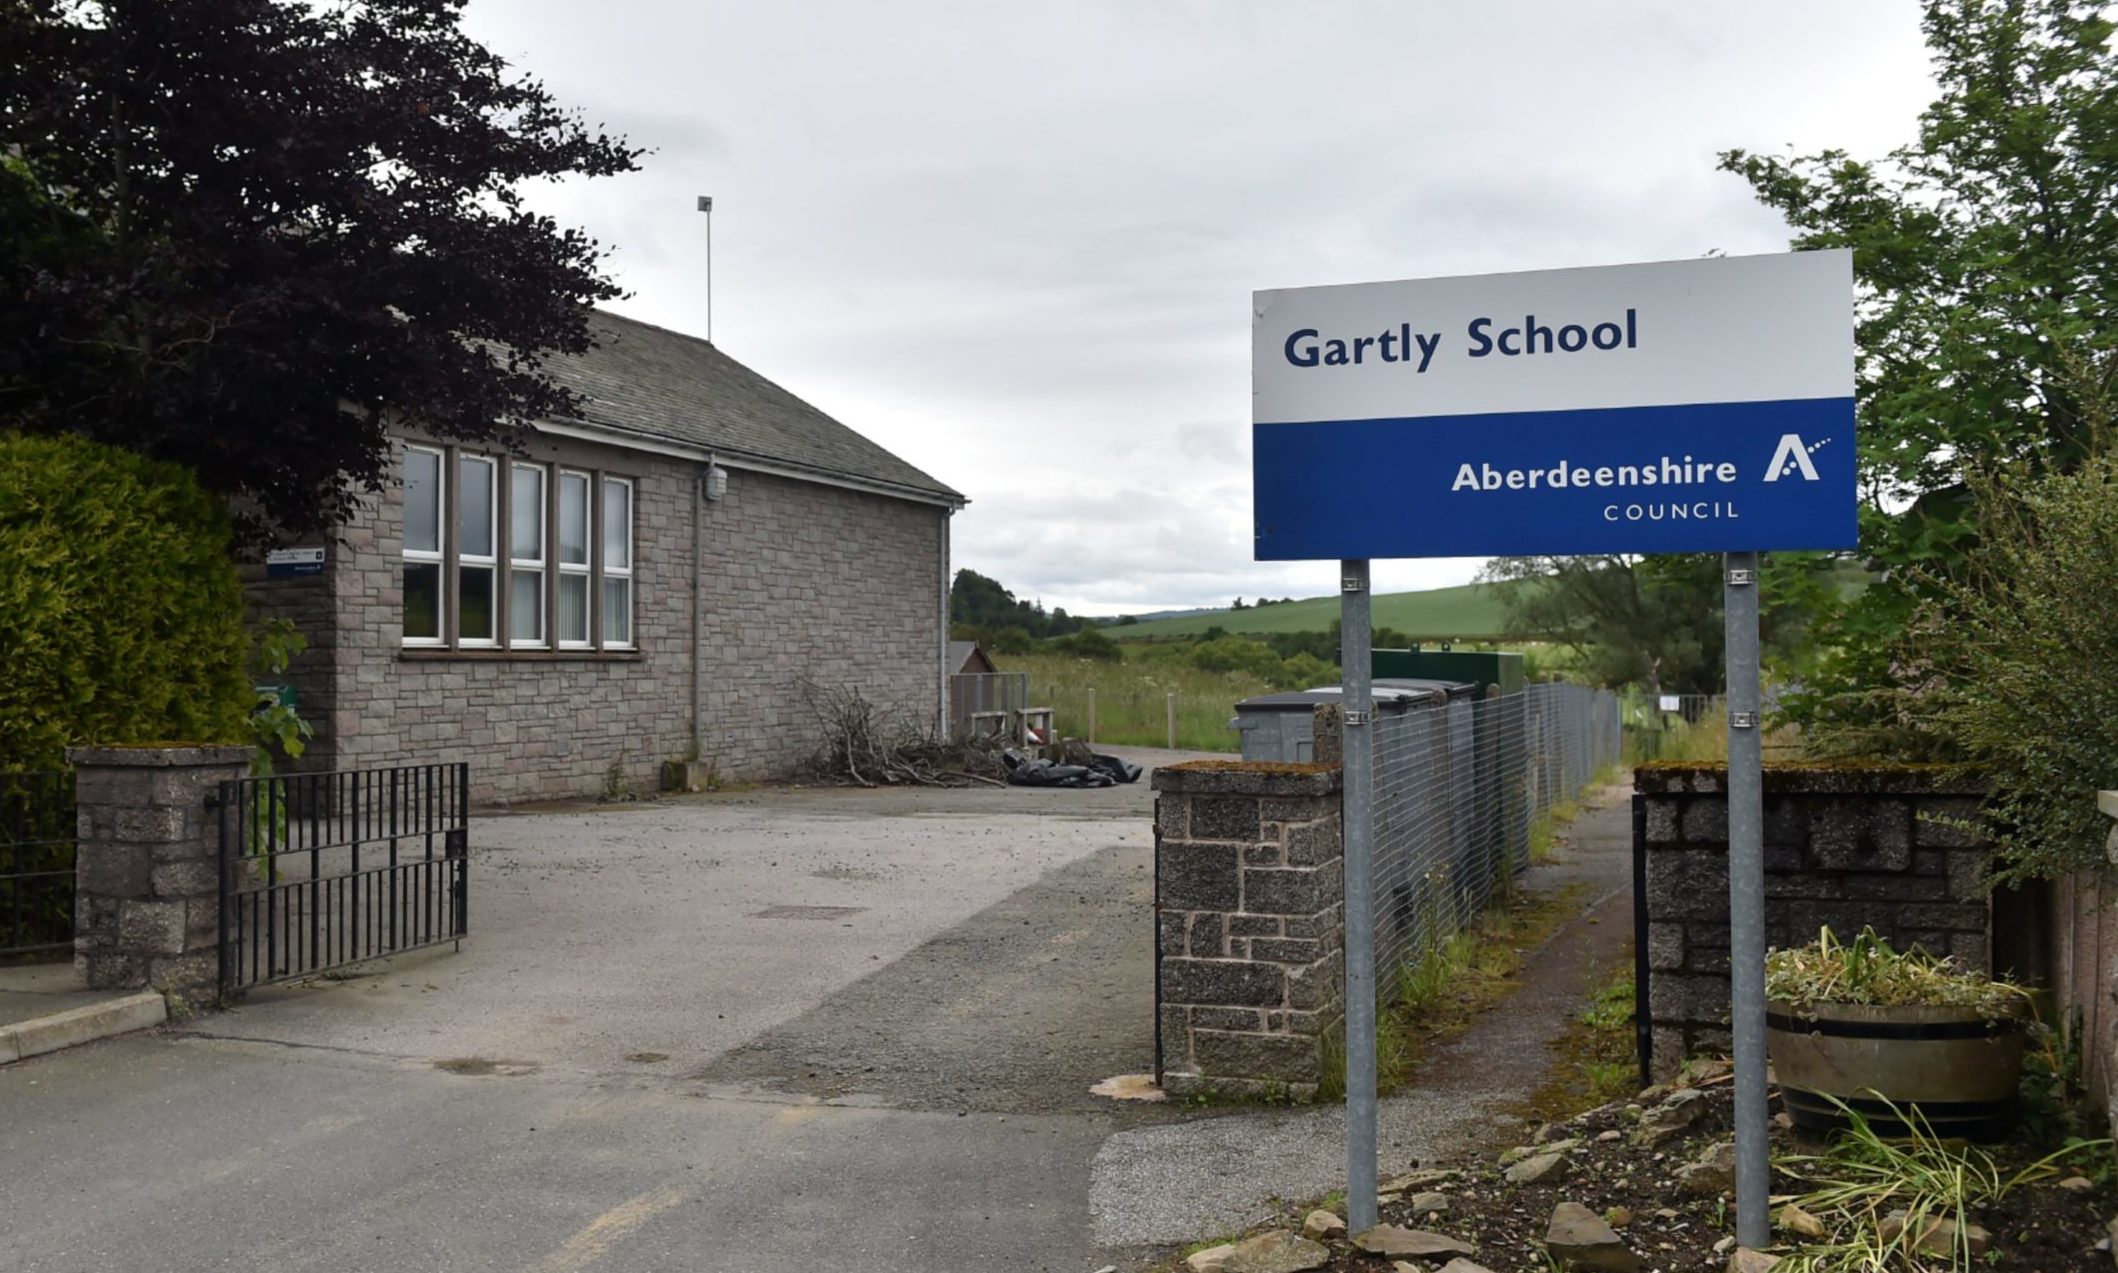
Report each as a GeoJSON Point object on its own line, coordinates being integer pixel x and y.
{"type": "Point", "coordinates": [1746, 900]}
{"type": "Point", "coordinates": [1359, 829]}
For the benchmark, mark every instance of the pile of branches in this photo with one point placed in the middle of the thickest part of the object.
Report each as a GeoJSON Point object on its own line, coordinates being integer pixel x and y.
{"type": "Point", "coordinates": [873, 745]}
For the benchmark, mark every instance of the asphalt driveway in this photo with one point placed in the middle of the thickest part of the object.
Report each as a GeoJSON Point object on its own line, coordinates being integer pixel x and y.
{"type": "Point", "coordinates": [778, 1031]}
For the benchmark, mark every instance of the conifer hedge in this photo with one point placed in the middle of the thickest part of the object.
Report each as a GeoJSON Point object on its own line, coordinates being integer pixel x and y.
{"type": "Point", "coordinates": [121, 616]}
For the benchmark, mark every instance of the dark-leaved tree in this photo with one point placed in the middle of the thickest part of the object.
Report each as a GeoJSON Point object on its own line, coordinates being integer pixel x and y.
{"type": "Point", "coordinates": [241, 234]}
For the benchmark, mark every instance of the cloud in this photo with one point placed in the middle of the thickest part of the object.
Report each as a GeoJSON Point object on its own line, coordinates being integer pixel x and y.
{"type": "Point", "coordinates": [1016, 243]}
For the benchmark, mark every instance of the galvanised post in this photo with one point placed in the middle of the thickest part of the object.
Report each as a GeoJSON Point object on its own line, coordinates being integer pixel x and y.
{"type": "Point", "coordinates": [1746, 900]}
{"type": "Point", "coordinates": [1359, 808]}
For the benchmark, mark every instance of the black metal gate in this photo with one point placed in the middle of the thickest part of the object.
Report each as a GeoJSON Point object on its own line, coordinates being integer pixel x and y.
{"type": "Point", "coordinates": [319, 871]}
{"type": "Point", "coordinates": [36, 864]}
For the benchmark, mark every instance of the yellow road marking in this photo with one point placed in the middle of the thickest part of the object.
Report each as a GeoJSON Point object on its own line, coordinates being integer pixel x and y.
{"type": "Point", "coordinates": [588, 1246]}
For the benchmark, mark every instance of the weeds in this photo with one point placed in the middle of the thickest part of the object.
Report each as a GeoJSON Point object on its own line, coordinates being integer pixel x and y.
{"type": "Point", "coordinates": [1885, 1203]}
{"type": "Point", "coordinates": [1867, 970]}
{"type": "Point", "coordinates": [1544, 832]}
{"type": "Point", "coordinates": [1599, 1060]}
{"type": "Point", "coordinates": [1445, 987]}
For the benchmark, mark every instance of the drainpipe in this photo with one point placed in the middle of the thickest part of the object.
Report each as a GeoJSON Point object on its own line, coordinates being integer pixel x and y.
{"type": "Point", "coordinates": [698, 513]}
{"type": "Point", "coordinates": [948, 516]}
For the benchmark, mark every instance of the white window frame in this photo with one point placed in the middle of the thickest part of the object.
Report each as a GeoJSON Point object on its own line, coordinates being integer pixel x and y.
{"type": "Point", "coordinates": [489, 562]}
{"type": "Point", "coordinates": [437, 557]}
{"type": "Point", "coordinates": [539, 565]}
{"type": "Point", "coordinates": [625, 572]}
{"type": "Point", "coordinates": [586, 570]}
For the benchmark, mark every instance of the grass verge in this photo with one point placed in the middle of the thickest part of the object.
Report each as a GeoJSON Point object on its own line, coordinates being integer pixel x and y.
{"type": "Point", "coordinates": [1597, 1060]}
{"type": "Point", "coordinates": [1443, 990]}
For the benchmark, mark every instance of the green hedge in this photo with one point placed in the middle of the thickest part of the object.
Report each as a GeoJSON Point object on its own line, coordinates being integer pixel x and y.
{"type": "Point", "coordinates": [121, 616]}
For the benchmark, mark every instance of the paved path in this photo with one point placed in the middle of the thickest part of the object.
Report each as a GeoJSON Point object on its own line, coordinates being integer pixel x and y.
{"type": "Point", "coordinates": [1200, 1179]}
{"type": "Point", "coordinates": [657, 1054]}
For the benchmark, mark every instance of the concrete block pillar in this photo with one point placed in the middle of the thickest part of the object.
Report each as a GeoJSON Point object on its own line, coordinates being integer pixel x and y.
{"type": "Point", "coordinates": [1250, 954]}
{"type": "Point", "coordinates": [147, 867]}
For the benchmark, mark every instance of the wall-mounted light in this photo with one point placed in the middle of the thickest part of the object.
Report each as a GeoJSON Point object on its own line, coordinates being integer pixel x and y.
{"type": "Point", "coordinates": [715, 482]}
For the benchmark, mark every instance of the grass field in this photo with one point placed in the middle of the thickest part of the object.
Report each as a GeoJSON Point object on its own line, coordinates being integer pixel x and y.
{"type": "Point", "coordinates": [1132, 699]}
{"type": "Point", "coordinates": [1469, 611]}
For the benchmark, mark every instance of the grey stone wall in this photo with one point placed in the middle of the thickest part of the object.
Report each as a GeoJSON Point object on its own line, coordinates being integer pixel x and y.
{"type": "Point", "coordinates": [1844, 847]}
{"type": "Point", "coordinates": [1249, 914]}
{"type": "Point", "coordinates": [800, 581]}
{"type": "Point", "coordinates": [309, 603]}
{"type": "Point", "coordinates": [147, 867]}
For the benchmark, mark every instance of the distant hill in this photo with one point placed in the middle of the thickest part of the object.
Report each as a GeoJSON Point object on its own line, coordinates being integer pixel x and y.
{"type": "Point", "coordinates": [1469, 611]}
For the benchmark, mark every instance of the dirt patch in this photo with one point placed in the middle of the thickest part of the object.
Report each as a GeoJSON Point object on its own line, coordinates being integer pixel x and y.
{"type": "Point", "coordinates": [480, 1066]}
{"type": "Point", "coordinates": [2037, 1227]}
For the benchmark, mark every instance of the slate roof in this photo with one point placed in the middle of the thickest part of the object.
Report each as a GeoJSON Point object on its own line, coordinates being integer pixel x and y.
{"type": "Point", "coordinates": [651, 381]}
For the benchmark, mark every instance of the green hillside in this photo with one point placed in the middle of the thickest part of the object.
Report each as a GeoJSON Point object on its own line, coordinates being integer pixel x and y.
{"type": "Point", "coordinates": [1469, 611]}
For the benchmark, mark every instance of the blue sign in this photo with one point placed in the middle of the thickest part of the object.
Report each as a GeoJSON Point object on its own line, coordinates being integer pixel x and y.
{"type": "Point", "coordinates": [291, 563]}
{"type": "Point", "coordinates": [1678, 407]}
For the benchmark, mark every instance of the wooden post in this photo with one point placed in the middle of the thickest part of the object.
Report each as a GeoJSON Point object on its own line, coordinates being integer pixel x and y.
{"type": "Point", "coordinates": [1091, 715]}
{"type": "Point", "coordinates": [1172, 714]}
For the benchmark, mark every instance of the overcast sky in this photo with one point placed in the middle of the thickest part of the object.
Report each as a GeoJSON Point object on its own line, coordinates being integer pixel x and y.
{"type": "Point", "coordinates": [1015, 243]}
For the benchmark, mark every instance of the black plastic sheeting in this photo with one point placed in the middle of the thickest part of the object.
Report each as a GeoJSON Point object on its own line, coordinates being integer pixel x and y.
{"type": "Point", "coordinates": [1101, 771]}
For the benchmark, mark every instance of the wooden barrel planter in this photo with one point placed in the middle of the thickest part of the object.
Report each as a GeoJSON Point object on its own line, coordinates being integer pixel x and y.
{"type": "Point", "coordinates": [1958, 1066]}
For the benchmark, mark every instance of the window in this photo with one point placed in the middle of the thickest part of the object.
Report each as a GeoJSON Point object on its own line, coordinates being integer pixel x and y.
{"type": "Point", "coordinates": [423, 499]}
{"type": "Point", "coordinates": [617, 561]}
{"type": "Point", "coordinates": [502, 553]}
{"type": "Point", "coordinates": [525, 551]}
{"type": "Point", "coordinates": [573, 558]}
{"type": "Point", "coordinates": [477, 554]}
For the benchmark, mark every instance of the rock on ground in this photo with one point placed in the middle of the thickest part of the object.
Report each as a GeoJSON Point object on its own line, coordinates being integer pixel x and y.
{"type": "Point", "coordinates": [1671, 1118]}
{"type": "Point", "coordinates": [1543, 1169]}
{"type": "Point", "coordinates": [1799, 1222]}
{"type": "Point", "coordinates": [1213, 1259]}
{"type": "Point", "coordinates": [1578, 1237]}
{"type": "Point", "coordinates": [1520, 1152]}
{"type": "Point", "coordinates": [1276, 1251]}
{"type": "Point", "coordinates": [1320, 1224]}
{"type": "Point", "coordinates": [1745, 1260]}
{"type": "Point", "coordinates": [1939, 1237]}
{"type": "Point", "coordinates": [1429, 1203]}
{"type": "Point", "coordinates": [1712, 1172]}
{"type": "Point", "coordinates": [1389, 1239]}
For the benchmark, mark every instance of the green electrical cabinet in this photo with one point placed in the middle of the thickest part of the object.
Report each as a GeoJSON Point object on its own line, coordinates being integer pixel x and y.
{"type": "Point", "coordinates": [1481, 669]}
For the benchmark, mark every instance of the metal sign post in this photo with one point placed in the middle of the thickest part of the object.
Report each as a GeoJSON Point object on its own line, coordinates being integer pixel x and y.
{"type": "Point", "coordinates": [1355, 702]}
{"type": "Point", "coordinates": [1746, 898]}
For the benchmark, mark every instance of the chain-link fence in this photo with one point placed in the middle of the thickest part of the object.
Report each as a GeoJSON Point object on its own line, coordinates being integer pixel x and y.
{"type": "Point", "coordinates": [987, 703]}
{"type": "Point", "coordinates": [1459, 789]}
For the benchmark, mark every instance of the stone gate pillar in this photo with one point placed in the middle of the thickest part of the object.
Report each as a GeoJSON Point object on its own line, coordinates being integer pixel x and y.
{"type": "Point", "coordinates": [147, 867]}
{"type": "Point", "coordinates": [1249, 904]}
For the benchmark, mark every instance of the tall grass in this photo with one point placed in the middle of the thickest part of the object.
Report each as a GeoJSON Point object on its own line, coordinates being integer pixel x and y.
{"type": "Point", "coordinates": [1132, 699]}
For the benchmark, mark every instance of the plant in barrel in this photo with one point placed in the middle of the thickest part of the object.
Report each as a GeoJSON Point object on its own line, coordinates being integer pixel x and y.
{"type": "Point", "coordinates": [1858, 1025]}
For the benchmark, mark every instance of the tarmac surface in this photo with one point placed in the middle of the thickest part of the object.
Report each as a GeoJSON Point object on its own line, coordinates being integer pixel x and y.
{"type": "Point", "coordinates": [769, 1032]}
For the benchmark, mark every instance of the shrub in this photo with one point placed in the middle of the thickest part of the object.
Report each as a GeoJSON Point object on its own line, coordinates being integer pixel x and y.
{"type": "Point", "coordinates": [1236, 654]}
{"type": "Point", "coordinates": [120, 611]}
{"type": "Point", "coordinates": [1090, 644]}
{"type": "Point", "coordinates": [1304, 672]}
{"type": "Point", "coordinates": [2013, 667]}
